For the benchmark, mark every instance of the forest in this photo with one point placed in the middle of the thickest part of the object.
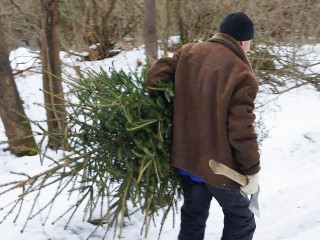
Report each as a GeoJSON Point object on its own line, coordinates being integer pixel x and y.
{"type": "Point", "coordinates": [95, 30]}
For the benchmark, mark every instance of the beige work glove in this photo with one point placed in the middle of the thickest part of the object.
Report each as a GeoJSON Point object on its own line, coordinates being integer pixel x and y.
{"type": "Point", "coordinates": [252, 186]}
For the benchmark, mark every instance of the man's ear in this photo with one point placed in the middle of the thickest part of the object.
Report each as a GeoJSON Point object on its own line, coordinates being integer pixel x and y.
{"type": "Point", "coordinates": [241, 43]}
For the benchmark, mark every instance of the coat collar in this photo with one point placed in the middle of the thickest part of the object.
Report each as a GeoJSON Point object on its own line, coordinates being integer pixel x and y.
{"type": "Point", "coordinates": [232, 44]}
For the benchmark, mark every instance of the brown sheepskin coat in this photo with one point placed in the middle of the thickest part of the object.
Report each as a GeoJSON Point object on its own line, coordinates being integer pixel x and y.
{"type": "Point", "coordinates": [215, 90]}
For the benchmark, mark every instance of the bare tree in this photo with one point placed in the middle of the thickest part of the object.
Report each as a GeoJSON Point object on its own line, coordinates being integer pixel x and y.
{"type": "Point", "coordinates": [150, 30]}
{"type": "Point", "coordinates": [21, 22]}
{"type": "Point", "coordinates": [101, 24]}
{"type": "Point", "coordinates": [52, 84]}
{"type": "Point", "coordinates": [17, 128]}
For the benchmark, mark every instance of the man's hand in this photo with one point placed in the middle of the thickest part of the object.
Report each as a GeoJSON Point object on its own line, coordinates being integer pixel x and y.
{"type": "Point", "coordinates": [252, 186]}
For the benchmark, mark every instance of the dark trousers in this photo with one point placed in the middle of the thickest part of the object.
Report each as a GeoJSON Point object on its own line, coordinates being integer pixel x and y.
{"type": "Point", "coordinates": [239, 221]}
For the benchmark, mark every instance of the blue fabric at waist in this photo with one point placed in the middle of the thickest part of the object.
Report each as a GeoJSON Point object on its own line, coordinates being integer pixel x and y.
{"type": "Point", "coordinates": [193, 178]}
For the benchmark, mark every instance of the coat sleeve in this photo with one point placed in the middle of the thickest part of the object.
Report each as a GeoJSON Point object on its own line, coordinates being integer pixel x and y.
{"type": "Point", "coordinates": [163, 70]}
{"type": "Point", "coordinates": [241, 133]}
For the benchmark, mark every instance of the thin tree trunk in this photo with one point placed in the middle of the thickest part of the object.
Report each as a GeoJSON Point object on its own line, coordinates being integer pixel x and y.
{"type": "Point", "coordinates": [52, 85]}
{"type": "Point", "coordinates": [181, 26]}
{"type": "Point", "coordinates": [167, 25]}
{"type": "Point", "coordinates": [150, 30]}
{"type": "Point", "coordinates": [17, 128]}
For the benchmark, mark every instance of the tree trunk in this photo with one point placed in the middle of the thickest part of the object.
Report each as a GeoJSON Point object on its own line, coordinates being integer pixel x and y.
{"type": "Point", "coordinates": [150, 30]}
{"type": "Point", "coordinates": [167, 25]}
{"type": "Point", "coordinates": [52, 85]}
{"type": "Point", "coordinates": [17, 127]}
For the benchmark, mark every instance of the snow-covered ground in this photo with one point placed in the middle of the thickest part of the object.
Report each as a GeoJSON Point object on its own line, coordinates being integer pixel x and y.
{"type": "Point", "coordinates": [290, 179]}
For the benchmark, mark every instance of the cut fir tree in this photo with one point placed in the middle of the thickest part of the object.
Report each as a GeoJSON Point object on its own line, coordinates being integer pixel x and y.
{"type": "Point", "coordinates": [133, 130]}
{"type": "Point", "coordinates": [119, 150]}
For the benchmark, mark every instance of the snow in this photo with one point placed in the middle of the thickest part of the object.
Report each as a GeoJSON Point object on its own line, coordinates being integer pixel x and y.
{"type": "Point", "coordinates": [174, 40]}
{"type": "Point", "coordinates": [289, 179]}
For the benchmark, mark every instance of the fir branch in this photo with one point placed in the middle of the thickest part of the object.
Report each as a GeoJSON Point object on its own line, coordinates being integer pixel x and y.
{"type": "Point", "coordinates": [119, 139]}
{"type": "Point", "coordinates": [50, 171]}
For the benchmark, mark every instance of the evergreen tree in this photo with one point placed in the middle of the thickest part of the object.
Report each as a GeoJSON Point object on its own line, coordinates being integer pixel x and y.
{"type": "Point", "coordinates": [120, 140]}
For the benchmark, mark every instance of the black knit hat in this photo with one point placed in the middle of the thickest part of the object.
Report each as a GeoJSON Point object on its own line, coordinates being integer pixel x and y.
{"type": "Point", "coordinates": [238, 25]}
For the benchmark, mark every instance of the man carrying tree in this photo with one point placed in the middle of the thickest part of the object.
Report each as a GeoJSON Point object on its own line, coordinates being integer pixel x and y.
{"type": "Point", "coordinates": [215, 89]}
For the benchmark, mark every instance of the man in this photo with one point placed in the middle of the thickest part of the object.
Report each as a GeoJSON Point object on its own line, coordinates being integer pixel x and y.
{"type": "Point", "coordinates": [215, 90]}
